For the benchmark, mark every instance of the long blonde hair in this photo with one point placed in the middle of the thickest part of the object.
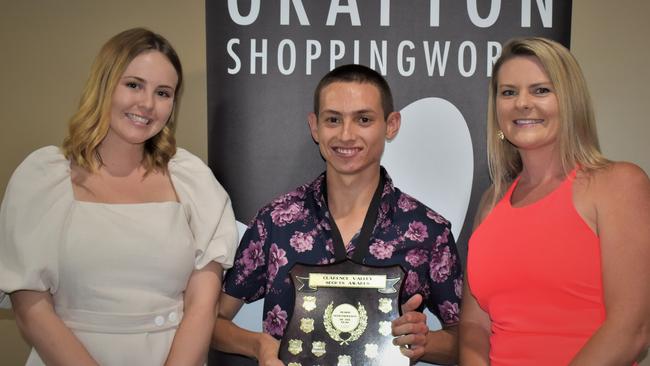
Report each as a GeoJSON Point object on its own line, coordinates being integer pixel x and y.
{"type": "Point", "coordinates": [578, 140]}
{"type": "Point", "coordinates": [90, 123]}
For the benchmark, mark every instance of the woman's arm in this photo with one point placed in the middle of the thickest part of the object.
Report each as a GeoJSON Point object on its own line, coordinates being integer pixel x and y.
{"type": "Point", "coordinates": [621, 194]}
{"type": "Point", "coordinates": [228, 337]}
{"type": "Point", "coordinates": [475, 324]}
{"type": "Point", "coordinates": [192, 340]}
{"type": "Point", "coordinates": [474, 331]}
{"type": "Point", "coordinates": [45, 331]}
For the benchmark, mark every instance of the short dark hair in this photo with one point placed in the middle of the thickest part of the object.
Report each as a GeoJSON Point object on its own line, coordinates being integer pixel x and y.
{"type": "Point", "coordinates": [358, 74]}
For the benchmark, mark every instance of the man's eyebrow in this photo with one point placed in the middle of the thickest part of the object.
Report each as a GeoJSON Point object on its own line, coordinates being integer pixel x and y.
{"type": "Point", "coordinates": [330, 111]}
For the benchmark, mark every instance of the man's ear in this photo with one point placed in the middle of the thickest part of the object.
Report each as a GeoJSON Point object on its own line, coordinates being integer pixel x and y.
{"type": "Point", "coordinates": [393, 123]}
{"type": "Point", "coordinates": [312, 120]}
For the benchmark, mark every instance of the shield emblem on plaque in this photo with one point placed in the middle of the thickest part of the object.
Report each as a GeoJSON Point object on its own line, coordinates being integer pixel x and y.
{"type": "Point", "coordinates": [341, 309]}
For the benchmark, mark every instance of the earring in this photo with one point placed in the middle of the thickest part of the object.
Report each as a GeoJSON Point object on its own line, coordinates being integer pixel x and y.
{"type": "Point", "coordinates": [500, 135]}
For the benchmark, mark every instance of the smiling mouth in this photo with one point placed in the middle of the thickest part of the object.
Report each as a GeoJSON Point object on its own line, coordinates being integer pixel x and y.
{"type": "Point", "coordinates": [138, 119]}
{"type": "Point", "coordinates": [346, 151]}
{"type": "Point", "coordinates": [528, 122]}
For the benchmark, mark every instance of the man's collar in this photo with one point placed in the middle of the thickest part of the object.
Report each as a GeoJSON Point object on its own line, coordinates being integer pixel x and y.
{"type": "Point", "coordinates": [319, 185]}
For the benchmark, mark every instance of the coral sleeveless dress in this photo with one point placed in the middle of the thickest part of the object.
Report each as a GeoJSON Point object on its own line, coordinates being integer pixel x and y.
{"type": "Point", "coordinates": [536, 270]}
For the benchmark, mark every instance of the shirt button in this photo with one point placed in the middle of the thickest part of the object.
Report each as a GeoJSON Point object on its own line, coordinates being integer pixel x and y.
{"type": "Point", "coordinates": [159, 320]}
{"type": "Point", "coordinates": [173, 317]}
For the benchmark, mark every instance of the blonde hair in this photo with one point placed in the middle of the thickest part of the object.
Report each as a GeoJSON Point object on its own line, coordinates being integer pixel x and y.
{"type": "Point", "coordinates": [89, 125]}
{"type": "Point", "coordinates": [578, 140]}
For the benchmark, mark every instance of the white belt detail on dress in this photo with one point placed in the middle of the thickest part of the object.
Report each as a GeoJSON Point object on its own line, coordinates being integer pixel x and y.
{"type": "Point", "coordinates": [91, 321]}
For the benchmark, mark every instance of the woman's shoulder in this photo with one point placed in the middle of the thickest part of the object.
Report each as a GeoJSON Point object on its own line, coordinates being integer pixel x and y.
{"type": "Point", "coordinates": [620, 176]}
{"type": "Point", "coordinates": [192, 176]}
{"type": "Point", "coordinates": [43, 158]}
{"type": "Point", "coordinates": [616, 186]}
{"type": "Point", "coordinates": [186, 162]}
{"type": "Point", "coordinates": [43, 167]}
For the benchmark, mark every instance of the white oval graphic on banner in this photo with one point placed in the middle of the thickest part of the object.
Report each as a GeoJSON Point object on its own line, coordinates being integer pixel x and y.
{"type": "Point", "coordinates": [432, 159]}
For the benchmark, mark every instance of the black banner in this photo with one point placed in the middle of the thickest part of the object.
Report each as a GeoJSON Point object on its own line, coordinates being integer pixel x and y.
{"type": "Point", "coordinates": [264, 59]}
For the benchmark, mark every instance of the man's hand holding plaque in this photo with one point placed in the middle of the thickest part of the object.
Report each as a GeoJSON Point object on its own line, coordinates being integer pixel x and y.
{"type": "Point", "coordinates": [411, 329]}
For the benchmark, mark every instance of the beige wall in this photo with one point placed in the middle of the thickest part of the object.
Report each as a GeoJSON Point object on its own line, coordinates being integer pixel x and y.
{"type": "Point", "coordinates": [47, 48]}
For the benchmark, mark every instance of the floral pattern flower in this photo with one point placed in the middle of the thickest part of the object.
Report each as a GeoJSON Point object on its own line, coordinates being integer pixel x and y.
{"type": "Point", "coordinates": [381, 250]}
{"type": "Point", "coordinates": [276, 321]}
{"type": "Point", "coordinates": [458, 286]}
{"type": "Point", "coordinates": [417, 231]}
{"type": "Point", "coordinates": [449, 312]}
{"type": "Point", "coordinates": [436, 217]}
{"type": "Point", "coordinates": [277, 259]}
{"type": "Point", "coordinates": [406, 203]}
{"type": "Point", "coordinates": [442, 264]}
{"type": "Point", "coordinates": [329, 246]}
{"type": "Point", "coordinates": [287, 212]}
{"type": "Point", "coordinates": [443, 238]}
{"type": "Point", "coordinates": [412, 283]}
{"type": "Point", "coordinates": [252, 257]}
{"type": "Point", "coordinates": [417, 257]}
{"type": "Point", "coordinates": [301, 242]}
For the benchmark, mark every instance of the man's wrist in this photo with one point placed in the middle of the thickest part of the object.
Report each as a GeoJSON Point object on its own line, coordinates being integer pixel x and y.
{"type": "Point", "coordinates": [265, 344]}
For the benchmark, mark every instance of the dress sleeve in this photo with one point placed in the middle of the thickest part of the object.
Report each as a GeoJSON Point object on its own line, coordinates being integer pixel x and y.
{"type": "Point", "coordinates": [33, 217]}
{"type": "Point", "coordinates": [208, 210]}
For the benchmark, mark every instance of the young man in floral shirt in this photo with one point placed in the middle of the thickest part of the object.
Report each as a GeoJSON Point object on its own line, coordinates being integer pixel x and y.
{"type": "Point", "coordinates": [319, 223]}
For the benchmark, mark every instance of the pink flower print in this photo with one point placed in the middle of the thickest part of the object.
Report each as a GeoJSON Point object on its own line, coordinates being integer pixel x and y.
{"type": "Point", "coordinates": [324, 225]}
{"type": "Point", "coordinates": [416, 257]}
{"type": "Point", "coordinates": [417, 231]}
{"type": "Point", "coordinates": [252, 257]}
{"type": "Point", "coordinates": [258, 294]}
{"type": "Point", "coordinates": [277, 259]}
{"type": "Point", "coordinates": [329, 246]}
{"type": "Point", "coordinates": [298, 193]}
{"type": "Point", "coordinates": [436, 217]}
{"type": "Point", "coordinates": [383, 208]}
{"type": "Point", "coordinates": [383, 219]}
{"type": "Point", "coordinates": [324, 261]}
{"type": "Point", "coordinates": [261, 230]}
{"type": "Point", "coordinates": [275, 322]}
{"type": "Point", "coordinates": [301, 242]}
{"type": "Point", "coordinates": [406, 203]}
{"type": "Point", "coordinates": [449, 312]}
{"type": "Point", "coordinates": [458, 286]}
{"type": "Point", "coordinates": [381, 250]}
{"type": "Point", "coordinates": [441, 264]}
{"type": "Point", "coordinates": [443, 238]}
{"type": "Point", "coordinates": [388, 188]}
{"type": "Point", "coordinates": [412, 284]}
{"type": "Point", "coordinates": [287, 212]}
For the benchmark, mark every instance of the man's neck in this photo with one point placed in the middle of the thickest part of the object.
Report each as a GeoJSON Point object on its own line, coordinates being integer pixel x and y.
{"type": "Point", "coordinates": [348, 199]}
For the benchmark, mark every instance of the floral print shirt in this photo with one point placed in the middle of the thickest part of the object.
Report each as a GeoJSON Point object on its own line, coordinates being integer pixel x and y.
{"type": "Point", "coordinates": [296, 228]}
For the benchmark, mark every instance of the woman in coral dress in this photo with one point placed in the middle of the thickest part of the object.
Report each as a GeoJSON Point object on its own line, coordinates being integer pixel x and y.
{"type": "Point", "coordinates": [557, 268]}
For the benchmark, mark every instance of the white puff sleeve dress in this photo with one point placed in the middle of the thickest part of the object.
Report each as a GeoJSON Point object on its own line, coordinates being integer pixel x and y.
{"type": "Point", "coordinates": [116, 272]}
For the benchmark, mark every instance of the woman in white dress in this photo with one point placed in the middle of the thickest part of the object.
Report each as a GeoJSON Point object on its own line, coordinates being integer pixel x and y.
{"type": "Point", "coordinates": [113, 246]}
